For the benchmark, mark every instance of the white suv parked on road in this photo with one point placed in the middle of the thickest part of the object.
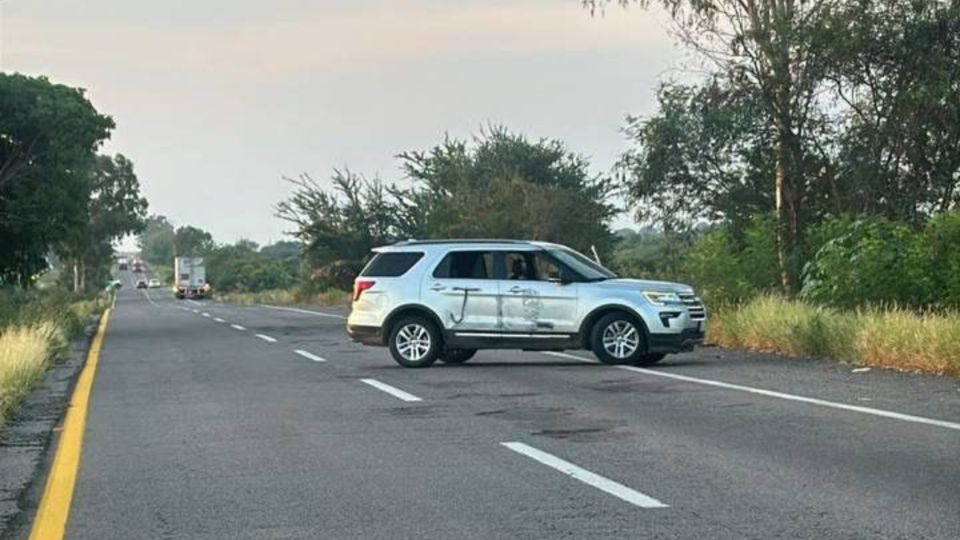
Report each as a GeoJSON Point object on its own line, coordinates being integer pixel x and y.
{"type": "Point", "coordinates": [445, 299]}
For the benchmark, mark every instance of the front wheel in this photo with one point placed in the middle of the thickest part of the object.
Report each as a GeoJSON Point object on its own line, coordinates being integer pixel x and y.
{"type": "Point", "coordinates": [414, 342]}
{"type": "Point", "coordinates": [618, 338]}
{"type": "Point", "coordinates": [457, 356]}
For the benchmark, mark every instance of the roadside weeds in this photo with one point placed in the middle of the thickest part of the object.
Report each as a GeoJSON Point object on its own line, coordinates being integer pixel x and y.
{"type": "Point", "coordinates": [887, 338]}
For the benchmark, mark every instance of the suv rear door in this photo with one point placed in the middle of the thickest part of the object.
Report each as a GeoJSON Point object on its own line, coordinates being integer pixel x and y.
{"type": "Point", "coordinates": [463, 291]}
{"type": "Point", "coordinates": [533, 298]}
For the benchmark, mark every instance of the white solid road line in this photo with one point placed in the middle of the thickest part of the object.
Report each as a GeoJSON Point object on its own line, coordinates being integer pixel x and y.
{"type": "Point", "coordinates": [395, 392]}
{"type": "Point", "coordinates": [266, 338]}
{"type": "Point", "coordinates": [780, 395]}
{"type": "Point", "coordinates": [307, 311]}
{"type": "Point", "coordinates": [218, 319]}
{"type": "Point", "coordinates": [237, 327]}
{"type": "Point", "coordinates": [616, 489]}
{"type": "Point", "coordinates": [310, 356]}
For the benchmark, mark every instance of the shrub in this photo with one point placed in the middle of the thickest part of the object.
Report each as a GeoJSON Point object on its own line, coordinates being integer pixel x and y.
{"type": "Point", "coordinates": [866, 261]}
{"type": "Point", "coordinates": [338, 274]}
{"type": "Point", "coordinates": [728, 266]}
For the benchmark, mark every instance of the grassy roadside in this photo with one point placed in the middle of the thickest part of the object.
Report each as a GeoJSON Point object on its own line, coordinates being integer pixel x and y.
{"type": "Point", "coordinates": [888, 338]}
{"type": "Point", "coordinates": [329, 297]}
{"type": "Point", "coordinates": [35, 331]}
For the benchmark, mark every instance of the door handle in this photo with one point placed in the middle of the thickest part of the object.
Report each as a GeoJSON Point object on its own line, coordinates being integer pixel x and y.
{"type": "Point", "coordinates": [516, 289]}
{"type": "Point", "coordinates": [437, 287]}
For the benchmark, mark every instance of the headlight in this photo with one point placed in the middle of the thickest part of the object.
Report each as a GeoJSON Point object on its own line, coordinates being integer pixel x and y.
{"type": "Point", "coordinates": [663, 298]}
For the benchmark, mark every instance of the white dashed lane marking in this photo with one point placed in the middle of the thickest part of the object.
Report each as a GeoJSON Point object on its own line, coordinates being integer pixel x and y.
{"type": "Point", "coordinates": [602, 483]}
{"type": "Point", "coordinates": [393, 391]}
{"type": "Point", "coordinates": [310, 356]}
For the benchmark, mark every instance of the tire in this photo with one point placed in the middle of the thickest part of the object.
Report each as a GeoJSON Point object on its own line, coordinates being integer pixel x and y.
{"type": "Point", "coordinates": [457, 356]}
{"type": "Point", "coordinates": [426, 338]}
{"type": "Point", "coordinates": [618, 338]}
{"type": "Point", "coordinates": [649, 359]}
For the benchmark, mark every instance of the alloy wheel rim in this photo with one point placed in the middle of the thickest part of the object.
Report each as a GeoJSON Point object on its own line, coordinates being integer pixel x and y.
{"type": "Point", "coordinates": [620, 339]}
{"type": "Point", "coordinates": [413, 342]}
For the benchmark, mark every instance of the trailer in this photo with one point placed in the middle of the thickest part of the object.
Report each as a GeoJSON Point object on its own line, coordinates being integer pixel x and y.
{"type": "Point", "coordinates": [191, 278]}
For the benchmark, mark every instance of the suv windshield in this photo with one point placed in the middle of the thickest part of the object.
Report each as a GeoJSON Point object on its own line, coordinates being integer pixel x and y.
{"type": "Point", "coordinates": [580, 264]}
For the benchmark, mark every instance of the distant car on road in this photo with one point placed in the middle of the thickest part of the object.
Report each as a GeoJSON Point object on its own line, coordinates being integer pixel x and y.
{"type": "Point", "coordinates": [114, 285]}
{"type": "Point", "coordinates": [445, 299]}
{"type": "Point", "coordinates": [141, 284]}
{"type": "Point", "coordinates": [154, 283]}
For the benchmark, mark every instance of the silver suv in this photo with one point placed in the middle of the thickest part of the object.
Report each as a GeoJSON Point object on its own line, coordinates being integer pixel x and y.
{"type": "Point", "coordinates": [445, 299]}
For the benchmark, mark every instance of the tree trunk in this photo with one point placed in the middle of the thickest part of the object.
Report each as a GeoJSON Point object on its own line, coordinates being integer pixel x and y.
{"type": "Point", "coordinates": [83, 276]}
{"type": "Point", "coordinates": [76, 275]}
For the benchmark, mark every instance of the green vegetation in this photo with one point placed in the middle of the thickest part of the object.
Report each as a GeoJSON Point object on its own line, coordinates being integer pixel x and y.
{"type": "Point", "coordinates": [295, 295]}
{"type": "Point", "coordinates": [35, 330]}
{"type": "Point", "coordinates": [890, 338]}
{"type": "Point", "coordinates": [56, 195]}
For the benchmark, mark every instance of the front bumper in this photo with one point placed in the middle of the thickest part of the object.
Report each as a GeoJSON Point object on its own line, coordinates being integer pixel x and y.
{"type": "Point", "coordinates": [685, 340]}
{"type": "Point", "coordinates": [368, 335]}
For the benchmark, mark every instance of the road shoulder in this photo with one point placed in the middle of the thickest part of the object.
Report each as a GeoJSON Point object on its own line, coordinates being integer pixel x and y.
{"type": "Point", "coordinates": [25, 446]}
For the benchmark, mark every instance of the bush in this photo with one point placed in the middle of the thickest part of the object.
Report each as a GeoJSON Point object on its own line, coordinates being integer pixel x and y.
{"type": "Point", "coordinates": [338, 275]}
{"type": "Point", "coordinates": [728, 268]}
{"type": "Point", "coordinates": [867, 261]}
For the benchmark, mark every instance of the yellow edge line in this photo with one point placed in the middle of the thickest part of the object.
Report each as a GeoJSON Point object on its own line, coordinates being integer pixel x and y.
{"type": "Point", "coordinates": [50, 522]}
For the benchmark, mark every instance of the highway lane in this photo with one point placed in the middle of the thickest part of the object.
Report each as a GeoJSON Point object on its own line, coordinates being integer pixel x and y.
{"type": "Point", "coordinates": [198, 429]}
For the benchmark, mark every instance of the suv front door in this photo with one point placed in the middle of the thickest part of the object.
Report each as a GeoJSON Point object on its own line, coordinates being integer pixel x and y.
{"type": "Point", "coordinates": [533, 298]}
{"type": "Point", "coordinates": [463, 292]}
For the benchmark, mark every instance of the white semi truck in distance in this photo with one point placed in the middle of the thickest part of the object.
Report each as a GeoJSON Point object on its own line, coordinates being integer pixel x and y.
{"type": "Point", "coordinates": [190, 278]}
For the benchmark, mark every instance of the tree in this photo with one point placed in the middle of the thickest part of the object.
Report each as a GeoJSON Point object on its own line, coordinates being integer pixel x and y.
{"type": "Point", "coordinates": [505, 186]}
{"type": "Point", "coordinates": [49, 135]}
{"type": "Point", "coordinates": [701, 158]}
{"type": "Point", "coordinates": [190, 241]}
{"type": "Point", "coordinates": [343, 223]}
{"type": "Point", "coordinates": [774, 50]}
{"type": "Point", "coordinates": [115, 209]}
{"type": "Point", "coordinates": [156, 241]}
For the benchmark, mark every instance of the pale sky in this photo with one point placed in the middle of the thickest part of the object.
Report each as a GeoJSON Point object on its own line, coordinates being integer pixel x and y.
{"type": "Point", "coordinates": [216, 100]}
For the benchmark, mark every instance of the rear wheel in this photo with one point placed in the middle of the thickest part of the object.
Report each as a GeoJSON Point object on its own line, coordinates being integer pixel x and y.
{"type": "Point", "coordinates": [457, 356]}
{"type": "Point", "coordinates": [414, 342]}
{"type": "Point", "coordinates": [618, 338]}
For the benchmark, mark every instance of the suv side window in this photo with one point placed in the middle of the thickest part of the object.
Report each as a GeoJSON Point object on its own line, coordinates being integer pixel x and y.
{"type": "Point", "coordinates": [531, 266]}
{"type": "Point", "coordinates": [391, 264]}
{"type": "Point", "coordinates": [465, 265]}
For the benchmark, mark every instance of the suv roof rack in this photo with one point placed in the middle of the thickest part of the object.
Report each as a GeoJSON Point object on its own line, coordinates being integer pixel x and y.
{"type": "Point", "coordinates": [414, 242]}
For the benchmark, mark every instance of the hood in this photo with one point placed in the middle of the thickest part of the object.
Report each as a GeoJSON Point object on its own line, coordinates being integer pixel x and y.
{"type": "Point", "coordinates": [645, 285]}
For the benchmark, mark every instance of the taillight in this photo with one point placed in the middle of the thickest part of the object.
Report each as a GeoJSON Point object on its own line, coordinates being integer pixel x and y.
{"type": "Point", "coordinates": [359, 286]}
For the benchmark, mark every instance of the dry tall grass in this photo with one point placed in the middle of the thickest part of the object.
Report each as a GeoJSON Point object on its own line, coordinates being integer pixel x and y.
{"type": "Point", "coordinates": [890, 338]}
{"type": "Point", "coordinates": [25, 354]}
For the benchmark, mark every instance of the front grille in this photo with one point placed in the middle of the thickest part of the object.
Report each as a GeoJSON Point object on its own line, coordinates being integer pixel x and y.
{"type": "Point", "coordinates": [694, 306]}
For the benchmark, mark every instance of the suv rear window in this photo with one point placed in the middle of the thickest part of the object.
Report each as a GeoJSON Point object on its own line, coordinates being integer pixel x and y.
{"type": "Point", "coordinates": [393, 264]}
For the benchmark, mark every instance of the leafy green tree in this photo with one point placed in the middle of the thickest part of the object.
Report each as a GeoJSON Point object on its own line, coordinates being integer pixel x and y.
{"type": "Point", "coordinates": [242, 267]}
{"type": "Point", "coordinates": [49, 135]}
{"type": "Point", "coordinates": [190, 241]}
{"type": "Point", "coordinates": [157, 240]}
{"type": "Point", "coordinates": [503, 185]}
{"type": "Point", "coordinates": [773, 50]}
{"type": "Point", "coordinates": [343, 223]}
{"type": "Point", "coordinates": [115, 209]}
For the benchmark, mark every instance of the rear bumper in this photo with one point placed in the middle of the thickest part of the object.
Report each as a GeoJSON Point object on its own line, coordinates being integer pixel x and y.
{"type": "Point", "coordinates": [671, 343]}
{"type": "Point", "coordinates": [368, 335]}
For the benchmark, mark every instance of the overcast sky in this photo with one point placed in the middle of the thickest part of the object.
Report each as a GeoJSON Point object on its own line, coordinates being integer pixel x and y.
{"type": "Point", "coordinates": [216, 100]}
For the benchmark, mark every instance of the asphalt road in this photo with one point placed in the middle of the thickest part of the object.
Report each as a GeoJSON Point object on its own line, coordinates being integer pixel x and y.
{"type": "Point", "coordinates": [200, 428]}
